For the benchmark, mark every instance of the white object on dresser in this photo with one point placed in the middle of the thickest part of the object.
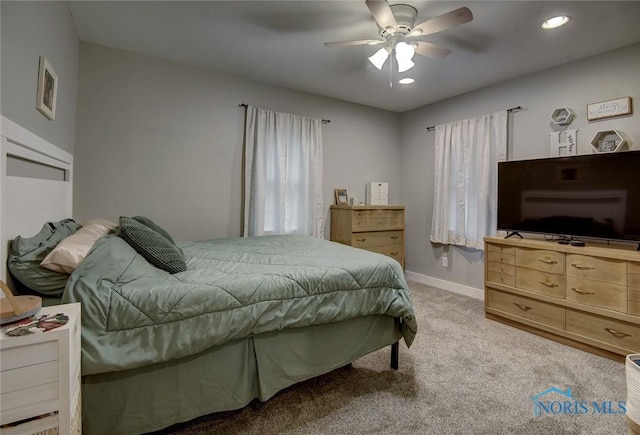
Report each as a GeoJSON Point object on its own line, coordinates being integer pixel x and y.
{"type": "Point", "coordinates": [377, 193]}
{"type": "Point", "coordinates": [40, 374]}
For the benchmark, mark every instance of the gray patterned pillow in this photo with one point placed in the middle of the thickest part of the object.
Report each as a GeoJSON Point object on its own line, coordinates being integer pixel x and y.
{"type": "Point", "coordinates": [155, 227]}
{"type": "Point", "coordinates": [153, 246]}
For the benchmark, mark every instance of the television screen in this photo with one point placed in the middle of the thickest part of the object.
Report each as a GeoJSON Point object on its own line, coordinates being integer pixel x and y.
{"type": "Point", "coordinates": [595, 196]}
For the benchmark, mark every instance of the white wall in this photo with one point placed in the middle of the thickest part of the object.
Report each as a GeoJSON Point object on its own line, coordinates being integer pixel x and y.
{"type": "Point", "coordinates": [603, 77]}
{"type": "Point", "coordinates": [30, 30]}
{"type": "Point", "coordinates": [163, 139]}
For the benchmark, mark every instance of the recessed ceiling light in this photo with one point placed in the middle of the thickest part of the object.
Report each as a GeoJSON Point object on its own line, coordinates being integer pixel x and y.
{"type": "Point", "coordinates": [406, 81]}
{"type": "Point", "coordinates": [554, 22]}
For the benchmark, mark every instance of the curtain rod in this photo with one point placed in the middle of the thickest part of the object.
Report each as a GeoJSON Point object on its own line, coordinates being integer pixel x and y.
{"type": "Point", "coordinates": [433, 127]}
{"type": "Point", "coordinates": [324, 121]}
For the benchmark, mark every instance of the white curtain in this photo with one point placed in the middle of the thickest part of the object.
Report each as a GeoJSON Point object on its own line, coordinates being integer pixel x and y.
{"type": "Point", "coordinates": [282, 174]}
{"type": "Point", "coordinates": [466, 172]}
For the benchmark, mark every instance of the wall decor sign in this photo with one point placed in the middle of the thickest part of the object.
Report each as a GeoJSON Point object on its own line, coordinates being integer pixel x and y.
{"type": "Point", "coordinates": [608, 109]}
{"type": "Point", "coordinates": [47, 89]}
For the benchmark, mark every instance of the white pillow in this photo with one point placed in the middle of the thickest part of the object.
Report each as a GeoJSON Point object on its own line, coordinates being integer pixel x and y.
{"type": "Point", "coordinates": [72, 250]}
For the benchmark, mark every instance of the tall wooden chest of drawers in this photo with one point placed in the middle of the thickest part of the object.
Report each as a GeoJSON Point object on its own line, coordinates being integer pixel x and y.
{"type": "Point", "coordinates": [587, 297]}
{"type": "Point", "coordinates": [40, 376]}
{"type": "Point", "coordinates": [376, 228]}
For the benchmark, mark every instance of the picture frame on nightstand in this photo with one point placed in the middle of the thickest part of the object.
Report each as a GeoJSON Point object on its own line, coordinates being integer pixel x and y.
{"type": "Point", "coordinates": [341, 196]}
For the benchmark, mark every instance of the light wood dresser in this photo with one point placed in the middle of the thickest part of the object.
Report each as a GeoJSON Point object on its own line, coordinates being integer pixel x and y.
{"type": "Point", "coordinates": [376, 228]}
{"type": "Point", "coordinates": [587, 297]}
{"type": "Point", "coordinates": [40, 376]}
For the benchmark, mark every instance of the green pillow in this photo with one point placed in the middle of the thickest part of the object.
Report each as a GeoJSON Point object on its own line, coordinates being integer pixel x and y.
{"type": "Point", "coordinates": [155, 227]}
{"type": "Point", "coordinates": [26, 254]}
{"type": "Point", "coordinates": [153, 246]}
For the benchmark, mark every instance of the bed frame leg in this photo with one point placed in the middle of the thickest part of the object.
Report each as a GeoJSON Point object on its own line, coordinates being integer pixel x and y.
{"type": "Point", "coordinates": [394, 355]}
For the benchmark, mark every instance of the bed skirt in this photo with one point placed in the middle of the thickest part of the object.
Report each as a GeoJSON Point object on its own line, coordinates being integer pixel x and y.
{"type": "Point", "coordinates": [227, 377]}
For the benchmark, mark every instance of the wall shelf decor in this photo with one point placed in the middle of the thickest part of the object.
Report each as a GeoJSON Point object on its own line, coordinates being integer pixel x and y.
{"type": "Point", "coordinates": [563, 143]}
{"type": "Point", "coordinates": [608, 141]}
{"type": "Point", "coordinates": [562, 116]}
{"type": "Point", "coordinates": [610, 108]}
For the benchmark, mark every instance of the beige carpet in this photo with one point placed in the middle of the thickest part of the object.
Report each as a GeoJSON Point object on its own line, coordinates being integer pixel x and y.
{"type": "Point", "coordinates": [464, 374]}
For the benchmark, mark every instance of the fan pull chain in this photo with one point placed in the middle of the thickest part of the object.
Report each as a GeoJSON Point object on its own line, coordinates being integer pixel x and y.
{"type": "Point", "coordinates": [391, 71]}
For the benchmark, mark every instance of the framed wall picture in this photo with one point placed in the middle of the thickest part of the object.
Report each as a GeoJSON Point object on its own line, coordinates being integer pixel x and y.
{"type": "Point", "coordinates": [47, 89]}
{"type": "Point", "coordinates": [608, 109]}
{"type": "Point", "coordinates": [341, 196]}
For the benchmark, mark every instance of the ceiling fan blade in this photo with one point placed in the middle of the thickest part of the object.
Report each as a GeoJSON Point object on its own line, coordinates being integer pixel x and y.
{"type": "Point", "coordinates": [382, 13]}
{"type": "Point", "coordinates": [431, 50]}
{"type": "Point", "coordinates": [348, 43]}
{"type": "Point", "coordinates": [442, 22]}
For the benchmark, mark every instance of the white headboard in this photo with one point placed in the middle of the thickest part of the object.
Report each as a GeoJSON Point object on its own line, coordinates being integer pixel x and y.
{"type": "Point", "coordinates": [26, 203]}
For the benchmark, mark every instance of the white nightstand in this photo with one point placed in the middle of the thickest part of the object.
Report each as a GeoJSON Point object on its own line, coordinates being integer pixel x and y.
{"type": "Point", "coordinates": [39, 375]}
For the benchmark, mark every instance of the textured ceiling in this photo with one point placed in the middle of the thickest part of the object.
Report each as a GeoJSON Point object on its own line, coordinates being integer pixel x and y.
{"type": "Point", "coordinates": [281, 42]}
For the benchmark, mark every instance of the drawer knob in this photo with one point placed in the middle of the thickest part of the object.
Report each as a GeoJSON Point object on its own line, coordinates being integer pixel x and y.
{"type": "Point", "coordinates": [617, 334]}
{"type": "Point", "coordinates": [362, 239]}
{"type": "Point", "coordinates": [550, 285]}
{"type": "Point", "coordinates": [547, 261]}
{"type": "Point", "coordinates": [582, 292]}
{"type": "Point", "coordinates": [394, 237]}
{"type": "Point", "coordinates": [577, 266]}
{"type": "Point", "coordinates": [394, 253]}
{"type": "Point", "coordinates": [522, 307]}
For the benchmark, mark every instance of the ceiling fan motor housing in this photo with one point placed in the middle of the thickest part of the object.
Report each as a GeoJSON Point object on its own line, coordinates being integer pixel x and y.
{"type": "Point", "coordinates": [405, 16]}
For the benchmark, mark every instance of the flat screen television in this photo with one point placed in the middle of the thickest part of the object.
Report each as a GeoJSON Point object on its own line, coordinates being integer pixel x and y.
{"type": "Point", "coordinates": [589, 196]}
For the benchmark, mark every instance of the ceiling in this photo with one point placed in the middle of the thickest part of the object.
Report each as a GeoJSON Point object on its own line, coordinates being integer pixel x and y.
{"type": "Point", "coordinates": [281, 42]}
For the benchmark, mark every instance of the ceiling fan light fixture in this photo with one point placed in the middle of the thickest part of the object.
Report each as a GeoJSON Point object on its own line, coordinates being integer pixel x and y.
{"type": "Point", "coordinates": [405, 51]}
{"type": "Point", "coordinates": [406, 81]}
{"type": "Point", "coordinates": [555, 22]}
{"type": "Point", "coordinates": [405, 65]}
{"type": "Point", "coordinates": [404, 54]}
{"type": "Point", "coordinates": [379, 58]}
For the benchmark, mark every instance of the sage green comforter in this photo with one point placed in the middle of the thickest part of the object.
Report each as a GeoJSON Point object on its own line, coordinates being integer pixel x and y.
{"type": "Point", "coordinates": [134, 314]}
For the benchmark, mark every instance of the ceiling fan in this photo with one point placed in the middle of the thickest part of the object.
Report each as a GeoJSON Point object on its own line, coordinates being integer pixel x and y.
{"type": "Point", "coordinates": [399, 33]}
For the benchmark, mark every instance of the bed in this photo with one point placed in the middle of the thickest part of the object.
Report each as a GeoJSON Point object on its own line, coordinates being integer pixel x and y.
{"type": "Point", "coordinates": [246, 319]}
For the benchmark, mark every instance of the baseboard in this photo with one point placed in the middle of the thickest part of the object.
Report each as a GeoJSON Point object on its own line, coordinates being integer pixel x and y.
{"type": "Point", "coordinates": [445, 285]}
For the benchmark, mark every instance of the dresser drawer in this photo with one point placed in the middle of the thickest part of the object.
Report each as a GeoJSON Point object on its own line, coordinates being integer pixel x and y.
{"type": "Point", "coordinates": [614, 332]}
{"type": "Point", "coordinates": [499, 257]}
{"type": "Point", "coordinates": [376, 238]}
{"type": "Point", "coordinates": [538, 259]}
{"type": "Point", "coordinates": [598, 294]}
{"type": "Point", "coordinates": [598, 269]}
{"type": "Point", "coordinates": [30, 354]}
{"type": "Point", "coordinates": [396, 218]}
{"type": "Point", "coordinates": [28, 376]}
{"type": "Point", "coordinates": [526, 308]}
{"type": "Point", "coordinates": [503, 249]}
{"type": "Point", "coordinates": [633, 291]}
{"type": "Point", "coordinates": [505, 269]}
{"type": "Point", "coordinates": [45, 396]}
{"type": "Point", "coordinates": [394, 251]}
{"type": "Point", "coordinates": [633, 307]}
{"type": "Point", "coordinates": [501, 278]}
{"type": "Point", "coordinates": [549, 284]}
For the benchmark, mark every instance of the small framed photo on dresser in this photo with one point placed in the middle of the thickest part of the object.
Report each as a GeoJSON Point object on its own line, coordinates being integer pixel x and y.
{"type": "Point", "coordinates": [341, 197]}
